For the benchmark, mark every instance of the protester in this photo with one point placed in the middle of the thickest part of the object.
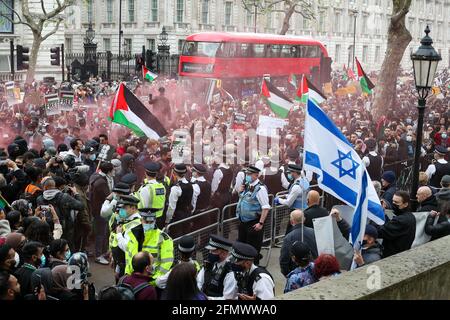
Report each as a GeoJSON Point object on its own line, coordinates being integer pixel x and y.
{"type": "Point", "coordinates": [303, 274]}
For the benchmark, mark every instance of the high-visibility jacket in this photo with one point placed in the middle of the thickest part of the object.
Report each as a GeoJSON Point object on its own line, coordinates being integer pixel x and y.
{"type": "Point", "coordinates": [157, 197]}
{"type": "Point", "coordinates": [113, 243]}
{"type": "Point", "coordinates": [156, 242]}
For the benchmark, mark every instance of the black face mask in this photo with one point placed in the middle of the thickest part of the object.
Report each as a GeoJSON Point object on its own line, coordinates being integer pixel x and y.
{"type": "Point", "coordinates": [396, 209]}
{"type": "Point", "coordinates": [363, 243]}
{"type": "Point", "coordinates": [213, 258]}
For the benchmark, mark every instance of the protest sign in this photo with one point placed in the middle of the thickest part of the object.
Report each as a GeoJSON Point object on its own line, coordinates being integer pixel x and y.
{"type": "Point", "coordinates": [239, 121]}
{"type": "Point", "coordinates": [269, 126]}
{"type": "Point", "coordinates": [323, 232]}
{"type": "Point", "coordinates": [180, 153]}
{"type": "Point", "coordinates": [66, 100]}
{"type": "Point", "coordinates": [52, 104]}
{"type": "Point", "coordinates": [13, 94]}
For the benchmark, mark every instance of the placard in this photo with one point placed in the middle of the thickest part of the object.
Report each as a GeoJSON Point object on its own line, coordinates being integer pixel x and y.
{"type": "Point", "coordinates": [52, 104]}
{"type": "Point", "coordinates": [66, 100]}
{"type": "Point", "coordinates": [269, 126]}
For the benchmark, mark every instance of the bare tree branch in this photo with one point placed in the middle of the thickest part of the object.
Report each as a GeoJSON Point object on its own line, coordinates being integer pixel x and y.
{"type": "Point", "coordinates": [14, 13]}
{"type": "Point", "coordinates": [55, 29]}
{"type": "Point", "coordinates": [59, 9]}
{"type": "Point", "coordinates": [43, 7]}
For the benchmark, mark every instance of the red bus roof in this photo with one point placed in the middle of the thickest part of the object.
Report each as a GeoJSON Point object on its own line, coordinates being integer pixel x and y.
{"type": "Point", "coordinates": [252, 38]}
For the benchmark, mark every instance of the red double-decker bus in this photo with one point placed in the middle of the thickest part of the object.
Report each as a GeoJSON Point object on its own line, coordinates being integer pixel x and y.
{"type": "Point", "coordinates": [239, 59]}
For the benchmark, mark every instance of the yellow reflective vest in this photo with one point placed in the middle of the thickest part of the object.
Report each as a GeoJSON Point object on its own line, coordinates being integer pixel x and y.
{"type": "Point", "coordinates": [157, 197]}
{"type": "Point", "coordinates": [156, 242]}
{"type": "Point", "coordinates": [113, 243]}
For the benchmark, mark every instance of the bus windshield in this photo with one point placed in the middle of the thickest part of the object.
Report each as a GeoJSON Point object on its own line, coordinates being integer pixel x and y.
{"type": "Point", "coordinates": [201, 49]}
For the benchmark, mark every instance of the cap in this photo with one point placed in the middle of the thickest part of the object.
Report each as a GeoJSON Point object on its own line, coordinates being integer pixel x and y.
{"type": "Point", "coordinates": [129, 179]}
{"type": "Point", "coordinates": [243, 251]}
{"type": "Point", "coordinates": [200, 168]}
{"type": "Point", "coordinates": [180, 168]}
{"type": "Point", "coordinates": [371, 231]}
{"type": "Point", "coordinates": [128, 200]}
{"type": "Point", "coordinates": [122, 188]}
{"type": "Point", "coordinates": [388, 176]}
{"type": "Point", "coordinates": [295, 168]}
{"type": "Point", "coordinates": [152, 167]}
{"type": "Point", "coordinates": [252, 169]}
{"type": "Point", "coordinates": [218, 242]}
{"type": "Point", "coordinates": [186, 244]}
{"type": "Point", "coordinates": [148, 212]}
{"type": "Point", "coordinates": [445, 179]}
{"type": "Point", "coordinates": [116, 163]}
{"type": "Point", "coordinates": [440, 150]}
{"type": "Point", "coordinates": [300, 250]}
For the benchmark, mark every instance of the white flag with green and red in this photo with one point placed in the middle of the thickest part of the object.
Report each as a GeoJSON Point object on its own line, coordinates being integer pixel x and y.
{"type": "Point", "coordinates": [308, 90]}
{"type": "Point", "coordinates": [364, 81]}
{"type": "Point", "coordinates": [148, 75]}
{"type": "Point", "coordinates": [277, 101]}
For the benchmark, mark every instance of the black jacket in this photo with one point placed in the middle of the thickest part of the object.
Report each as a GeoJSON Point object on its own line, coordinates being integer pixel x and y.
{"type": "Point", "coordinates": [372, 254]}
{"type": "Point", "coordinates": [441, 229]}
{"type": "Point", "coordinates": [314, 212]}
{"type": "Point", "coordinates": [398, 234]}
{"type": "Point", "coordinates": [294, 235]}
{"type": "Point", "coordinates": [389, 193]}
{"type": "Point", "coordinates": [15, 187]}
{"type": "Point", "coordinates": [428, 205]}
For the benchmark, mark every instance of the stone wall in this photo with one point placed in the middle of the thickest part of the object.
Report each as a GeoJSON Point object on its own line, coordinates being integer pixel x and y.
{"type": "Point", "coordinates": [419, 273]}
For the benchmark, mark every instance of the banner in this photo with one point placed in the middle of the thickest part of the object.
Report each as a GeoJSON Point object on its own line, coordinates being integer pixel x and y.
{"type": "Point", "coordinates": [323, 231]}
{"type": "Point", "coordinates": [13, 94]}
{"type": "Point", "coordinates": [421, 237]}
{"type": "Point", "coordinates": [180, 154]}
{"type": "Point", "coordinates": [52, 104]}
{"type": "Point", "coordinates": [239, 121]}
{"type": "Point", "coordinates": [66, 100]}
{"type": "Point", "coordinates": [268, 126]}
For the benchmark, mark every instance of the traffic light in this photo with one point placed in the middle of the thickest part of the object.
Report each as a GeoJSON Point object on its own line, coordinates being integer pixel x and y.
{"type": "Point", "coordinates": [151, 60]}
{"type": "Point", "coordinates": [55, 56]}
{"type": "Point", "coordinates": [22, 57]}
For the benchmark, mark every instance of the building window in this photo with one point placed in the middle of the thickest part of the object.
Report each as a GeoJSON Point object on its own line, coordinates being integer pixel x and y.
{"type": "Point", "coordinates": [89, 10]}
{"type": "Point", "coordinates": [154, 9]}
{"type": "Point", "coordinates": [5, 64]}
{"type": "Point", "coordinates": [337, 54]}
{"type": "Point", "coordinates": [5, 25]}
{"type": "Point", "coordinates": [269, 20]}
{"type": "Point", "coordinates": [365, 2]}
{"type": "Point", "coordinates": [109, 11]}
{"type": "Point", "coordinates": [378, 3]}
{"type": "Point", "coordinates": [131, 11]}
{"type": "Point", "coordinates": [377, 54]}
{"type": "Point", "coordinates": [180, 10]}
{"type": "Point", "coordinates": [205, 11]}
{"type": "Point", "coordinates": [364, 24]}
{"type": "Point", "coordinates": [439, 33]}
{"type": "Point", "coordinates": [322, 21]}
{"type": "Point", "coordinates": [365, 53]}
{"type": "Point", "coordinates": [228, 13]}
{"type": "Point", "coordinates": [180, 45]}
{"type": "Point", "coordinates": [127, 46]}
{"type": "Point", "coordinates": [249, 18]}
{"type": "Point", "coordinates": [68, 46]}
{"type": "Point", "coordinates": [337, 22]}
{"type": "Point", "coordinates": [306, 24]}
{"type": "Point", "coordinates": [151, 44]}
{"type": "Point", "coordinates": [107, 44]}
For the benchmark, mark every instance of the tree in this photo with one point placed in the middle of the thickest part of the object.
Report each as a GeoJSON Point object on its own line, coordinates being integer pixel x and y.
{"type": "Point", "coordinates": [398, 40]}
{"type": "Point", "coordinates": [37, 22]}
{"type": "Point", "coordinates": [302, 7]}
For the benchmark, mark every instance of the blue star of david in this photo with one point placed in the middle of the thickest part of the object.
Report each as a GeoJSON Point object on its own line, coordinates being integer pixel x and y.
{"type": "Point", "coordinates": [342, 171]}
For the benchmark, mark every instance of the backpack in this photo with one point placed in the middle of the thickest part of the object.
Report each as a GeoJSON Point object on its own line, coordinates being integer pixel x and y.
{"type": "Point", "coordinates": [127, 291]}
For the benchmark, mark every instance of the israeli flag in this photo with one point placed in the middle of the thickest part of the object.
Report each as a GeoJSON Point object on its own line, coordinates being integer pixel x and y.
{"type": "Point", "coordinates": [340, 170]}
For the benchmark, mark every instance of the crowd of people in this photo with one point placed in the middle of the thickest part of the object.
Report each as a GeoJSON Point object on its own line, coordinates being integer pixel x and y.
{"type": "Point", "coordinates": [63, 202]}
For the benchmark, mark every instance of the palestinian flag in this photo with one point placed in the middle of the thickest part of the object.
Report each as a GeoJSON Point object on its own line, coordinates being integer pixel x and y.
{"type": "Point", "coordinates": [278, 102]}
{"type": "Point", "coordinates": [293, 80]}
{"type": "Point", "coordinates": [366, 84]}
{"type": "Point", "coordinates": [308, 91]}
{"type": "Point", "coordinates": [345, 75]}
{"type": "Point", "coordinates": [127, 110]}
{"type": "Point", "coordinates": [148, 75]}
{"type": "Point", "coordinates": [350, 74]}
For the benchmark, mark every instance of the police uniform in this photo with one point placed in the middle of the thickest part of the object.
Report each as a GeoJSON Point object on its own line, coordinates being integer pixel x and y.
{"type": "Point", "coordinates": [182, 200]}
{"type": "Point", "coordinates": [130, 179]}
{"type": "Point", "coordinates": [256, 281]}
{"type": "Point", "coordinates": [252, 201]}
{"type": "Point", "coordinates": [152, 193]}
{"type": "Point", "coordinates": [440, 168]}
{"type": "Point", "coordinates": [186, 245]}
{"type": "Point", "coordinates": [221, 185]}
{"type": "Point", "coordinates": [274, 179]}
{"type": "Point", "coordinates": [217, 279]}
{"type": "Point", "coordinates": [153, 241]}
{"type": "Point", "coordinates": [108, 207]}
{"type": "Point", "coordinates": [127, 224]}
{"type": "Point", "coordinates": [373, 161]}
{"type": "Point", "coordinates": [204, 197]}
{"type": "Point", "coordinates": [296, 198]}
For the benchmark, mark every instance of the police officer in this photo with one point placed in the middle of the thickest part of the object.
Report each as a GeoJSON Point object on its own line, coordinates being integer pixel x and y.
{"type": "Point", "coordinates": [131, 180]}
{"type": "Point", "coordinates": [254, 283]}
{"type": "Point", "coordinates": [252, 209]}
{"type": "Point", "coordinates": [110, 203]}
{"type": "Point", "coordinates": [273, 176]}
{"type": "Point", "coordinates": [147, 237]}
{"type": "Point", "coordinates": [373, 161]}
{"type": "Point", "coordinates": [216, 279]}
{"type": "Point", "coordinates": [439, 168]}
{"type": "Point", "coordinates": [152, 193]}
{"type": "Point", "coordinates": [198, 178]}
{"type": "Point", "coordinates": [221, 183]}
{"type": "Point", "coordinates": [182, 200]}
{"type": "Point", "coordinates": [186, 248]}
{"type": "Point", "coordinates": [127, 217]}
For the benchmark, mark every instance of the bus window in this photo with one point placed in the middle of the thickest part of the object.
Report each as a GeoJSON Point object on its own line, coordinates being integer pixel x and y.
{"type": "Point", "coordinates": [276, 50]}
{"type": "Point", "coordinates": [258, 50]}
{"type": "Point", "coordinates": [244, 49]}
{"type": "Point", "coordinates": [202, 49]}
{"type": "Point", "coordinates": [286, 51]}
{"type": "Point", "coordinates": [312, 52]}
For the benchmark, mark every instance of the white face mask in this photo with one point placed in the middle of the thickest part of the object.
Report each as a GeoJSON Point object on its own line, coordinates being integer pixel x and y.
{"type": "Point", "coordinates": [17, 259]}
{"type": "Point", "coordinates": [408, 138]}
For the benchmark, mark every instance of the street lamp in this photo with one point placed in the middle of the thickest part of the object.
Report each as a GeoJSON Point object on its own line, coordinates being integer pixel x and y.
{"type": "Point", "coordinates": [163, 36]}
{"type": "Point", "coordinates": [355, 15]}
{"type": "Point", "coordinates": [425, 61]}
{"type": "Point", "coordinates": [90, 34]}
